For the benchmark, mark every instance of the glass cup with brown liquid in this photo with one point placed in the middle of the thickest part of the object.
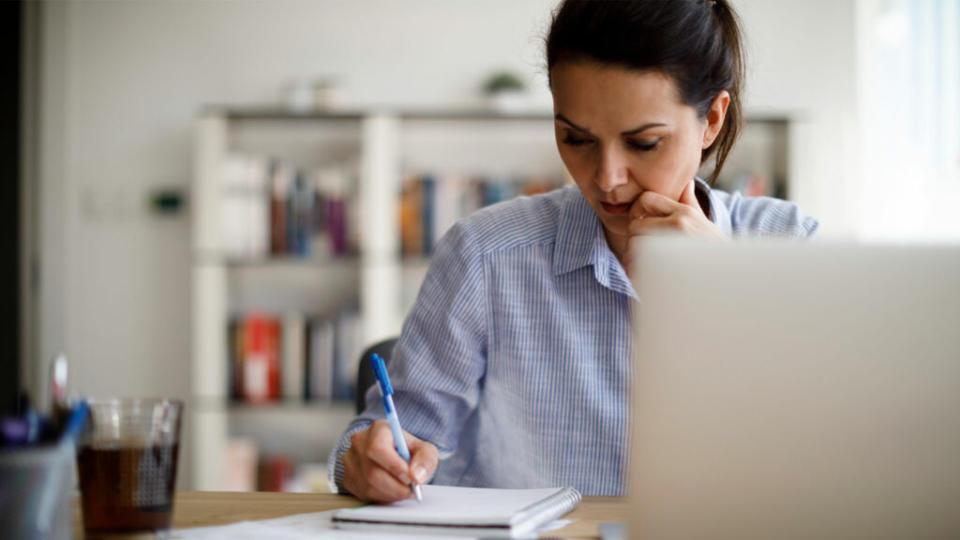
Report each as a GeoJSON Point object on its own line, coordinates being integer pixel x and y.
{"type": "Point", "coordinates": [127, 463]}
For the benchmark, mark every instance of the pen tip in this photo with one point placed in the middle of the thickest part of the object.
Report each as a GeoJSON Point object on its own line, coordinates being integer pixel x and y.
{"type": "Point", "coordinates": [417, 493]}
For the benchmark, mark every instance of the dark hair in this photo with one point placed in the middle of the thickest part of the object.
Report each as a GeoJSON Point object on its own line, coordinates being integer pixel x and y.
{"type": "Point", "coordinates": [695, 42]}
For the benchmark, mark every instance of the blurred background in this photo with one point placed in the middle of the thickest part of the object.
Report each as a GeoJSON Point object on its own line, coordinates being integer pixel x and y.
{"type": "Point", "coordinates": [224, 202]}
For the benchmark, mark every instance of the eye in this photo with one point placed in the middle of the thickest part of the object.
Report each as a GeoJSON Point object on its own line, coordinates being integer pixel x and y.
{"type": "Point", "coordinates": [643, 146]}
{"type": "Point", "coordinates": [573, 140]}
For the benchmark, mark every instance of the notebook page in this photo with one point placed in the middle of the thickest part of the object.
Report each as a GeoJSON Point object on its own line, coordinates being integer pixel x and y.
{"type": "Point", "coordinates": [309, 526]}
{"type": "Point", "coordinates": [454, 506]}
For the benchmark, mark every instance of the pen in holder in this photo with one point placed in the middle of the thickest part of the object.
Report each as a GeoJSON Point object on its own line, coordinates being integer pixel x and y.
{"type": "Point", "coordinates": [35, 495]}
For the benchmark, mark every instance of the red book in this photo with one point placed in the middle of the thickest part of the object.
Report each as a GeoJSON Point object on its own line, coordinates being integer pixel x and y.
{"type": "Point", "coordinates": [282, 472]}
{"type": "Point", "coordinates": [261, 359]}
{"type": "Point", "coordinates": [274, 472]}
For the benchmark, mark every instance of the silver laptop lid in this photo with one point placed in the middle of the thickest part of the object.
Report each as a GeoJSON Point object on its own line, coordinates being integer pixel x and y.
{"type": "Point", "coordinates": [795, 390]}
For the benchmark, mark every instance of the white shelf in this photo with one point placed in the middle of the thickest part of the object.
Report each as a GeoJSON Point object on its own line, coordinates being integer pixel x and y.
{"type": "Point", "coordinates": [325, 115]}
{"type": "Point", "coordinates": [265, 410]}
{"type": "Point", "coordinates": [383, 145]}
{"type": "Point", "coordinates": [311, 287]}
{"type": "Point", "coordinates": [291, 262]}
{"type": "Point", "coordinates": [306, 432]}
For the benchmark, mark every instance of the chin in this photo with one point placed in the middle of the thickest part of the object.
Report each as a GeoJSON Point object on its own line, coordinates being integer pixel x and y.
{"type": "Point", "coordinates": [618, 225]}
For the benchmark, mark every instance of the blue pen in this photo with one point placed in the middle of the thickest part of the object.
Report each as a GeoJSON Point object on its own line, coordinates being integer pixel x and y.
{"type": "Point", "coordinates": [383, 381]}
{"type": "Point", "coordinates": [76, 420]}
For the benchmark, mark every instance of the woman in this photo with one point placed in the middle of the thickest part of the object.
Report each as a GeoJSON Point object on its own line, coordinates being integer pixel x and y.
{"type": "Point", "coordinates": [512, 369]}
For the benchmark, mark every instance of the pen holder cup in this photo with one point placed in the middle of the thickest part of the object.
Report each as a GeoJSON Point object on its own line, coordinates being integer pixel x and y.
{"type": "Point", "coordinates": [36, 489]}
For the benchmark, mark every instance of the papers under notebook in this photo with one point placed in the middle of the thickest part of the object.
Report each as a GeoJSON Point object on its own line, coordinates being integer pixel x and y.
{"type": "Point", "coordinates": [465, 511]}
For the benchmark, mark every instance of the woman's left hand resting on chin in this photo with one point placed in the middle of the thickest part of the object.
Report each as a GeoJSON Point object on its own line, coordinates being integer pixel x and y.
{"type": "Point", "coordinates": [653, 213]}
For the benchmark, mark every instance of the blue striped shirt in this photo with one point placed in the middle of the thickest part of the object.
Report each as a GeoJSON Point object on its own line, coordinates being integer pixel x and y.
{"type": "Point", "coordinates": [515, 359]}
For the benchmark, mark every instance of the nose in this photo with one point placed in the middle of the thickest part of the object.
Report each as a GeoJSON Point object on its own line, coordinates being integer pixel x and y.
{"type": "Point", "coordinates": [612, 170]}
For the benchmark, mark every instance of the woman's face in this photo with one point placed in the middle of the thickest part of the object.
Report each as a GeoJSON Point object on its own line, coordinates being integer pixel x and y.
{"type": "Point", "coordinates": [621, 132]}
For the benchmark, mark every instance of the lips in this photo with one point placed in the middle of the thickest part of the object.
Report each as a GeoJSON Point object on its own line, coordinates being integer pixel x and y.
{"type": "Point", "coordinates": [615, 209]}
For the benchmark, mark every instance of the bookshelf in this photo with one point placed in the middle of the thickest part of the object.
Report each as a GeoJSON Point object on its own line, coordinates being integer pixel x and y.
{"type": "Point", "coordinates": [232, 277]}
{"type": "Point", "coordinates": [382, 149]}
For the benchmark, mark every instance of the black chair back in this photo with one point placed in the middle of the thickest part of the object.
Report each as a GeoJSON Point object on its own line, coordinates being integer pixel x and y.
{"type": "Point", "coordinates": [365, 376]}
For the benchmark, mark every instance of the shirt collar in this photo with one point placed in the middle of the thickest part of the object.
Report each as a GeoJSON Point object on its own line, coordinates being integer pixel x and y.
{"type": "Point", "coordinates": [716, 211]}
{"type": "Point", "coordinates": [581, 242]}
{"type": "Point", "coordinates": [578, 232]}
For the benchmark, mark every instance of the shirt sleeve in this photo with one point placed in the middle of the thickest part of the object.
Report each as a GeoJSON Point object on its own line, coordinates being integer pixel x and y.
{"type": "Point", "coordinates": [438, 363]}
{"type": "Point", "coordinates": [766, 216]}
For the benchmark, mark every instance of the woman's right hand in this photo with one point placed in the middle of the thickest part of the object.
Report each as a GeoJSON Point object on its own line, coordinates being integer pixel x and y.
{"type": "Point", "coordinates": [374, 471]}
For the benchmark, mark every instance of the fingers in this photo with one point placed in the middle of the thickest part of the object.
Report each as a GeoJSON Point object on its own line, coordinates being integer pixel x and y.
{"type": "Point", "coordinates": [660, 214]}
{"type": "Point", "coordinates": [636, 209]}
{"type": "Point", "coordinates": [382, 451]}
{"type": "Point", "coordinates": [381, 486]}
{"type": "Point", "coordinates": [424, 458]}
{"type": "Point", "coordinates": [689, 197]}
{"type": "Point", "coordinates": [384, 487]}
{"type": "Point", "coordinates": [373, 470]}
{"type": "Point", "coordinates": [686, 224]}
{"type": "Point", "coordinates": [655, 204]}
{"type": "Point", "coordinates": [370, 482]}
{"type": "Point", "coordinates": [655, 225]}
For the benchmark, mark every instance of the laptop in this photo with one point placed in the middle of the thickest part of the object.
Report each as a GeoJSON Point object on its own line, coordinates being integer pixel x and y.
{"type": "Point", "coordinates": [795, 390]}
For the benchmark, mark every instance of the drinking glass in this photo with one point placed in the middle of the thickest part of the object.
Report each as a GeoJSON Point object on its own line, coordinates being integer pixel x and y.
{"type": "Point", "coordinates": [127, 463]}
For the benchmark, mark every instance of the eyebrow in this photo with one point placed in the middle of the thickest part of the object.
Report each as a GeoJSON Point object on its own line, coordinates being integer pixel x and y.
{"type": "Point", "coordinates": [633, 131]}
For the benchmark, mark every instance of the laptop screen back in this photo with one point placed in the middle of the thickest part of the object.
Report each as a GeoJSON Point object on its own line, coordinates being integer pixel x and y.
{"type": "Point", "coordinates": [795, 390]}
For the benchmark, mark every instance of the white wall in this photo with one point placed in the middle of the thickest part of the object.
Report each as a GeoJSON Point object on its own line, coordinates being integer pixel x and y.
{"type": "Point", "coordinates": [125, 79]}
{"type": "Point", "coordinates": [802, 59]}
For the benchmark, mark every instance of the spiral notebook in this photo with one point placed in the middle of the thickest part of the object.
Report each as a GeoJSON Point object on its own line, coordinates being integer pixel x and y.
{"type": "Point", "coordinates": [465, 511]}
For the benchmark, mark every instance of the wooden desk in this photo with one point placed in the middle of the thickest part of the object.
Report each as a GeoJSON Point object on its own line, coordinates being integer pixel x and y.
{"type": "Point", "coordinates": [202, 508]}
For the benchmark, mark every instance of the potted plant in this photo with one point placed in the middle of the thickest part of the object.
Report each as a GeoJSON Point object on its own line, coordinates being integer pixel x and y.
{"type": "Point", "coordinates": [505, 91]}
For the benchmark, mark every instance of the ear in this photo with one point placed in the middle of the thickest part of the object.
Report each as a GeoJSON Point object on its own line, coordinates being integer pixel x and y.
{"type": "Point", "coordinates": [715, 117]}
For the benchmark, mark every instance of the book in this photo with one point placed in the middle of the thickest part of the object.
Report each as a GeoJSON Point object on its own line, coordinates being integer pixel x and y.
{"type": "Point", "coordinates": [272, 207]}
{"type": "Point", "coordinates": [274, 472]}
{"type": "Point", "coordinates": [331, 208]}
{"type": "Point", "coordinates": [261, 362]}
{"type": "Point", "coordinates": [293, 357]}
{"type": "Point", "coordinates": [240, 465]}
{"type": "Point", "coordinates": [347, 347]}
{"type": "Point", "coordinates": [449, 204]}
{"type": "Point", "coordinates": [430, 204]}
{"type": "Point", "coordinates": [428, 192]}
{"type": "Point", "coordinates": [411, 218]}
{"type": "Point", "coordinates": [279, 193]}
{"type": "Point", "coordinates": [320, 361]}
{"type": "Point", "coordinates": [301, 216]}
{"type": "Point", "coordinates": [506, 513]}
{"type": "Point", "coordinates": [244, 206]}
{"type": "Point", "coordinates": [293, 368]}
{"type": "Point", "coordinates": [235, 360]}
